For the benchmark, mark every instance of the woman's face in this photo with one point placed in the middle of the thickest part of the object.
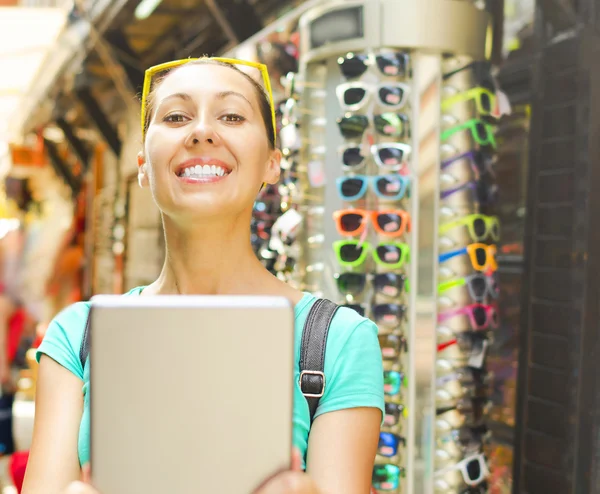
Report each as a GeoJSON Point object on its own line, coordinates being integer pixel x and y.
{"type": "Point", "coordinates": [206, 151]}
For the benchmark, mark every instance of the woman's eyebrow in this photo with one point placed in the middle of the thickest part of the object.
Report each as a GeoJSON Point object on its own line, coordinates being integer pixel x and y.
{"type": "Point", "coordinates": [225, 94]}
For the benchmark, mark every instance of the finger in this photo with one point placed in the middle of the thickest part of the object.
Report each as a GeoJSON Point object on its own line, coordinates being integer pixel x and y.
{"type": "Point", "coordinates": [80, 488]}
{"type": "Point", "coordinates": [86, 475]}
{"type": "Point", "coordinates": [296, 460]}
{"type": "Point", "coordinates": [286, 482]}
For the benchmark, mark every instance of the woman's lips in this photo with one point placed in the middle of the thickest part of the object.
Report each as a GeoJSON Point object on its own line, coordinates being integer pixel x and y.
{"type": "Point", "coordinates": [202, 180]}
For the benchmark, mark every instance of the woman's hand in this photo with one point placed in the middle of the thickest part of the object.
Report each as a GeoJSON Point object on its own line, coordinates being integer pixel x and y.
{"type": "Point", "coordinates": [294, 481]}
{"type": "Point", "coordinates": [84, 486]}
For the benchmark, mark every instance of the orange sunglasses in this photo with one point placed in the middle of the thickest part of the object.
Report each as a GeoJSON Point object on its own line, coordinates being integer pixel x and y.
{"type": "Point", "coordinates": [482, 256]}
{"type": "Point", "coordinates": [388, 223]}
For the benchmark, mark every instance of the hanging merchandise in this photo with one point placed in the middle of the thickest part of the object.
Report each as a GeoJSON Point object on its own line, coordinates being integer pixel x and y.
{"type": "Point", "coordinates": [369, 117]}
{"type": "Point", "coordinates": [468, 286]}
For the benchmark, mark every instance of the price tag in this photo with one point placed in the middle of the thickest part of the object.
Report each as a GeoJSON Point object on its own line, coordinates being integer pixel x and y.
{"type": "Point", "coordinates": [478, 353]}
{"type": "Point", "coordinates": [503, 106]}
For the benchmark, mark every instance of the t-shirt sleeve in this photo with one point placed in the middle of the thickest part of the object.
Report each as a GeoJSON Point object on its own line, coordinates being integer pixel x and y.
{"type": "Point", "coordinates": [63, 338]}
{"type": "Point", "coordinates": [353, 366]}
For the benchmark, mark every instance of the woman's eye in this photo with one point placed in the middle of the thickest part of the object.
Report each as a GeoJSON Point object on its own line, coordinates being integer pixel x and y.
{"type": "Point", "coordinates": [233, 117]}
{"type": "Point", "coordinates": [174, 118]}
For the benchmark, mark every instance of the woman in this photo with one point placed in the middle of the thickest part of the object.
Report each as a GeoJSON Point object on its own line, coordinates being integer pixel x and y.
{"type": "Point", "coordinates": [209, 145]}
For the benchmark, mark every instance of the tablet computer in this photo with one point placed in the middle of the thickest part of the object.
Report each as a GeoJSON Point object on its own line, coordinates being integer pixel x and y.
{"type": "Point", "coordinates": [190, 394]}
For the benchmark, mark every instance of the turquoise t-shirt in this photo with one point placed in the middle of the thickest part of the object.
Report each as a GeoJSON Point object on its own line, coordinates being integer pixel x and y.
{"type": "Point", "coordinates": [353, 365]}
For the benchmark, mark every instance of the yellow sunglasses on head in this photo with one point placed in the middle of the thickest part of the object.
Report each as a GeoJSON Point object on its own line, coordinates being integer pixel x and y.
{"type": "Point", "coordinates": [152, 71]}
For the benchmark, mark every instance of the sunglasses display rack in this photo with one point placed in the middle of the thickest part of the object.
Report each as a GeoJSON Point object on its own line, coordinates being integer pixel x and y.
{"type": "Point", "coordinates": [367, 129]}
{"type": "Point", "coordinates": [467, 282]}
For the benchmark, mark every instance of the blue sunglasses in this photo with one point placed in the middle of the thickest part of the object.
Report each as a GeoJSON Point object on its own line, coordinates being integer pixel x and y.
{"type": "Point", "coordinates": [389, 444]}
{"type": "Point", "coordinates": [390, 187]}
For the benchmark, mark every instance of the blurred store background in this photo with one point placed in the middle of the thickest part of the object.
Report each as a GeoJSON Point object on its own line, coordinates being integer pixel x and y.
{"type": "Point", "coordinates": [71, 211]}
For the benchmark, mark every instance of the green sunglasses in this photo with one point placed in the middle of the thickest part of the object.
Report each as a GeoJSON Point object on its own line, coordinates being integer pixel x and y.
{"type": "Point", "coordinates": [353, 253]}
{"type": "Point", "coordinates": [482, 132]}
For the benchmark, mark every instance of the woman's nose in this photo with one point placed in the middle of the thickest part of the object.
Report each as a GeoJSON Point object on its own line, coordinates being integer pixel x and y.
{"type": "Point", "coordinates": [203, 130]}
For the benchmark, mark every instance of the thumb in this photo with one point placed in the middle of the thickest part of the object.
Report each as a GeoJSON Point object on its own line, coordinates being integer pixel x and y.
{"type": "Point", "coordinates": [296, 460]}
{"type": "Point", "coordinates": [86, 474]}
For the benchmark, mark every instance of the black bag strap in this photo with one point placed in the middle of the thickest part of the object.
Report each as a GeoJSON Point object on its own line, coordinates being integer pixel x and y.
{"type": "Point", "coordinates": [312, 352]}
{"type": "Point", "coordinates": [84, 349]}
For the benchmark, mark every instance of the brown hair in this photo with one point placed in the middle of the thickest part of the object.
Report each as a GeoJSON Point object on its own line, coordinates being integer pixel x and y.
{"type": "Point", "coordinates": [263, 99]}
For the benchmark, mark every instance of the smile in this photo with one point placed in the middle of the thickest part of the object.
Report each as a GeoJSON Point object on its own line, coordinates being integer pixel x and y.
{"type": "Point", "coordinates": [201, 171]}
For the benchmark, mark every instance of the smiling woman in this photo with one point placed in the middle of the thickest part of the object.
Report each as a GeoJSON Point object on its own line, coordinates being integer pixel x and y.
{"type": "Point", "coordinates": [209, 143]}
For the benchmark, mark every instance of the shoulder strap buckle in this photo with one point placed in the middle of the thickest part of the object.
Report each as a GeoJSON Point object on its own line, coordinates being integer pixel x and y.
{"type": "Point", "coordinates": [314, 384]}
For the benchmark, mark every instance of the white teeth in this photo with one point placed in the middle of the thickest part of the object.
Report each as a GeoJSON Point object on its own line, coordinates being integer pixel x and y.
{"type": "Point", "coordinates": [204, 171]}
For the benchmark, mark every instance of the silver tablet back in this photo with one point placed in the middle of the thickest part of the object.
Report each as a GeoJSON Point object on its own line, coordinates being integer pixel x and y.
{"type": "Point", "coordinates": [190, 394]}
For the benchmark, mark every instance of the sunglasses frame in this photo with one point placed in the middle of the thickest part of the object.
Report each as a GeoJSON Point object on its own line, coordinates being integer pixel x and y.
{"type": "Point", "coordinates": [366, 248]}
{"type": "Point", "coordinates": [490, 251]}
{"type": "Point", "coordinates": [367, 122]}
{"type": "Point", "coordinates": [461, 466]}
{"type": "Point", "coordinates": [370, 91]}
{"type": "Point", "coordinates": [492, 226]}
{"type": "Point", "coordinates": [152, 71]}
{"type": "Point", "coordinates": [375, 149]}
{"type": "Point", "coordinates": [491, 315]}
{"type": "Point", "coordinates": [471, 125]}
{"type": "Point", "coordinates": [472, 94]}
{"type": "Point", "coordinates": [371, 181]}
{"type": "Point", "coordinates": [371, 61]}
{"type": "Point", "coordinates": [373, 216]}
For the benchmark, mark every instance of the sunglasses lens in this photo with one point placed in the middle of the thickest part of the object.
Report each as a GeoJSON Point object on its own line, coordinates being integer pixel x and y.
{"type": "Point", "coordinates": [354, 95]}
{"type": "Point", "coordinates": [478, 286]}
{"type": "Point", "coordinates": [388, 444]}
{"type": "Point", "coordinates": [352, 283]}
{"type": "Point", "coordinates": [486, 104]}
{"type": "Point", "coordinates": [473, 469]}
{"type": "Point", "coordinates": [494, 285]}
{"type": "Point", "coordinates": [481, 256]}
{"type": "Point", "coordinates": [496, 230]}
{"type": "Point", "coordinates": [389, 222]}
{"type": "Point", "coordinates": [353, 67]}
{"type": "Point", "coordinates": [391, 95]}
{"type": "Point", "coordinates": [392, 64]}
{"type": "Point", "coordinates": [481, 132]}
{"type": "Point", "coordinates": [389, 254]}
{"type": "Point", "coordinates": [389, 124]}
{"type": "Point", "coordinates": [350, 222]}
{"type": "Point", "coordinates": [350, 252]}
{"type": "Point", "coordinates": [389, 284]}
{"type": "Point", "coordinates": [357, 308]}
{"type": "Point", "coordinates": [392, 381]}
{"type": "Point", "coordinates": [353, 126]}
{"type": "Point", "coordinates": [351, 187]}
{"type": "Point", "coordinates": [386, 477]}
{"type": "Point", "coordinates": [391, 156]}
{"type": "Point", "coordinates": [392, 413]}
{"type": "Point", "coordinates": [391, 345]}
{"type": "Point", "coordinates": [388, 186]}
{"type": "Point", "coordinates": [352, 157]}
{"type": "Point", "coordinates": [479, 228]}
{"type": "Point", "coordinates": [480, 315]}
{"type": "Point", "coordinates": [388, 314]}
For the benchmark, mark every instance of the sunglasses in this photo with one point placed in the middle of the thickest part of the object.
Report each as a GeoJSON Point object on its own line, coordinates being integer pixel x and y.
{"type": "Point", "coordinates": [480, 286]}
{"type": "Point", "coordinates": [389, 284]}
{"type": "Point", "coordinates": [480, 316]}
{"type": "Point", "coordinates": [482, 132]}
{"type": "Point", "coordinates": [480, 162]}
{"type": "Point", "coordinates": [353, 95]}
{"type": "Point", "coordinates": [482, 73]}
{"type": "Point", "coordinates": [480, 226]}
{"type": "Point", "coordinates": [353, 253]}
{"type": "Point", "coordinates": [393, 412]}
{"type": "Point", "coordinates": [465, 342]}
{"type": "Point", "coordinates": [483, 192]}
{"type": "Point", "coordinates": [151, 73]}
{"type": "Point", "coordinates": [390, 223]}
{"type": "Point", "coordinates": [388, 124]}
{"type": "Point", "coordinates": [387, 187]}
{"type": "Point", "coordinates": [386, 477]}
{"type": "Point", "coordinates": [392, 382]}
{"type": "Point", "coordinates": [392, 346]}
{"type": "Point", "coordinates": [395, 64]}
{"type": "Point", "coordinates": [473, 468]}
{"type": "Point", "coordinates": [391, 156]}
{"type": "Point", "coordinates": [389, 444]}
{"type": "Point", "coordinates": [484, 99]}
{"type": "Point", "coordinates": [389, 315]}
{"type": "Point", "coordinates": [482, 256]}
